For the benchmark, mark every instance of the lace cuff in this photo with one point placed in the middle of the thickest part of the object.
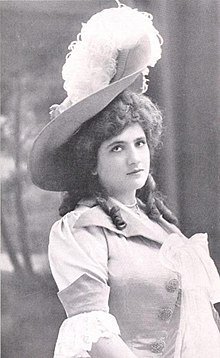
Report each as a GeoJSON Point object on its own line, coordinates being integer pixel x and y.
{"type": "Point", "coordinates": [78, 333]}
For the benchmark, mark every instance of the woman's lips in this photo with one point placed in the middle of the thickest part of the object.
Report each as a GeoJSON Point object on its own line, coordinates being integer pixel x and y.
{"type": "Point", "coordinates": [135, 171]}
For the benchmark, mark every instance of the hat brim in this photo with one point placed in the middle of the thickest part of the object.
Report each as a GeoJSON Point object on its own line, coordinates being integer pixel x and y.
{"type": "Point", "coordinates": [48, 165]}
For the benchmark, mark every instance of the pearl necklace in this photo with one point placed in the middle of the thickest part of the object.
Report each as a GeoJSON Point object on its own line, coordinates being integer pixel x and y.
{"type": "Point", "coordinates": [134, 207]}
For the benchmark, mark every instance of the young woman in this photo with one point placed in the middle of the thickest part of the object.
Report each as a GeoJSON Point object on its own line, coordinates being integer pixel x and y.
{"type": "Point", "coordinates": [131, 283]}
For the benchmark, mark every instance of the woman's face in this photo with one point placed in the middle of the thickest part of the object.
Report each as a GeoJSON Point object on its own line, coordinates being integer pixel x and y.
{"type": "Point", "coordinates": [123, 163]}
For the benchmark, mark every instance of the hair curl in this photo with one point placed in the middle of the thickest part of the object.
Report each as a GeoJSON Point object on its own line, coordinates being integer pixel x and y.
{"type": "Point", "coordinates": [124, 110]}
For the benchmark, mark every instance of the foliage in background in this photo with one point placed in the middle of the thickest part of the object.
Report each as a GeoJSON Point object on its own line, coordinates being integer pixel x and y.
{"type": "Point", "coordinates": [31, 82]}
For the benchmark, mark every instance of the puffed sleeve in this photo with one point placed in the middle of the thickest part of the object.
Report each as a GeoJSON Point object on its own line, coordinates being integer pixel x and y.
{"type": "Point", "coordinates": [78, 259]}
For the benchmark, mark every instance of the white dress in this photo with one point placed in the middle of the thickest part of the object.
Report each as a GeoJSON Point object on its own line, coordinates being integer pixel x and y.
{"type": "Point", "coordinates": [148, 283]}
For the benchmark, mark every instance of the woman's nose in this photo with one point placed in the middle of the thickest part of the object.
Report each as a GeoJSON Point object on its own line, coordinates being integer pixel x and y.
{"type": "Point", "coordinates": [133, 157]}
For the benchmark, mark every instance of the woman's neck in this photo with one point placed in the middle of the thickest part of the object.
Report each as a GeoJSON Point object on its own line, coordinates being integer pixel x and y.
{"type": "Point", "coordinates": [128, 203]}
{"type": "Point", "coordinates": [128, 200]}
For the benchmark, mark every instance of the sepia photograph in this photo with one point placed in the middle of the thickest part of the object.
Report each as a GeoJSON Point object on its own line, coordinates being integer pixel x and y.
{"type": "Point", "coordinates": [110, 179]}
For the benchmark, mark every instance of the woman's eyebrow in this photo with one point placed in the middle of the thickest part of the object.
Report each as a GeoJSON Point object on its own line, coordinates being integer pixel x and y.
{"type": "Point", "coordinates": [140, 138]}
{"type": "Point", "coordinates": [118, 142]}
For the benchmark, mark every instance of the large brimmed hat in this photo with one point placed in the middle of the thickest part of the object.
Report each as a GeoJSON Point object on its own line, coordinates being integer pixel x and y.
{"type": "Point", "coordinates": [112, 52]}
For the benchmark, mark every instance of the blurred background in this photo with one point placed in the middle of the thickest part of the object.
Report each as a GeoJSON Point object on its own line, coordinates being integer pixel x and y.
{"type": "Point", "coordinates": [34, 38]}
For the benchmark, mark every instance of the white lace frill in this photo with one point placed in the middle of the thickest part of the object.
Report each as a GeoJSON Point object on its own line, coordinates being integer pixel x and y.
{"type": "Point", "coordinates": [198, 334]}
{"type": "Point", "coordinates": [78, 333]}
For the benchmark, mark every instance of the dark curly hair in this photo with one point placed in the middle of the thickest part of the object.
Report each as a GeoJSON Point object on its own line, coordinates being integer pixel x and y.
{"type": "Point", "coordinates": [124, 110]}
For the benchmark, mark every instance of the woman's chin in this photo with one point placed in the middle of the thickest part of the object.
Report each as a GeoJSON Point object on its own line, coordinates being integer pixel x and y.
{"type": "Point", "coordinates": [136, 184]}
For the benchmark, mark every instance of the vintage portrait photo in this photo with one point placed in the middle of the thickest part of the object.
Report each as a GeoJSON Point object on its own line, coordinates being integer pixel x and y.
{"type": "Point", "coordinates": [110, 167]}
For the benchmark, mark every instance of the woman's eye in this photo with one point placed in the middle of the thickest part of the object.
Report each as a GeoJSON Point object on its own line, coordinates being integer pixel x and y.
{"type": "Point", "coordinates": [140, 143]}
{"type": "Point", "coordinates": [117, 148]}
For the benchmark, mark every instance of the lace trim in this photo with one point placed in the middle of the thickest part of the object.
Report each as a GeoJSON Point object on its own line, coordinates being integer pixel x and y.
{"type": "Point", "coordinates": [78, 333]}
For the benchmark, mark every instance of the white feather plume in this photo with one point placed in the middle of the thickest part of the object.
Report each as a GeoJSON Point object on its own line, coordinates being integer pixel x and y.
{"type": "Point", "coordinates": [92, 61]}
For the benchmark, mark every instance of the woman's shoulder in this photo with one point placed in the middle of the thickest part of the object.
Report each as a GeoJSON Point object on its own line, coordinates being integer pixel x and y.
{"type": "Point", "coordinates": [79, 218]}
{"type": "Point", "coordinates": [78, 213]}
{"type": "Point", "coordinates": [67, 236]}
{"type": "Point", "coordinates": [69, 219]}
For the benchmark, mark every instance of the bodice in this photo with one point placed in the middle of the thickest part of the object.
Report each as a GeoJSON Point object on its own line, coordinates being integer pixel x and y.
{"type": "Point", "coordinates": [143, 296]}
